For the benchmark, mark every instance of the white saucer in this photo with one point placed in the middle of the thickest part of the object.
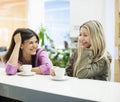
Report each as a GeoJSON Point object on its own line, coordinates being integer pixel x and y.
{"type": "Point", "coordinates": [59, 79]}
{"type": "Point", "coordinates": [26, 74]}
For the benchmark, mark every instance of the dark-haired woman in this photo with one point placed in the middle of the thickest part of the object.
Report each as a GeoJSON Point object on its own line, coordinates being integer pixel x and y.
{"type": "Point", "coordinates": [24, 50]}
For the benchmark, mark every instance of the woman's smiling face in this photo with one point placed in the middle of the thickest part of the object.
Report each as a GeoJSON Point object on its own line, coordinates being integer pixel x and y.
{"type": "Point", "coordinates": [84, 38]}
{"type": "Point", "coordinates": [30, 46]}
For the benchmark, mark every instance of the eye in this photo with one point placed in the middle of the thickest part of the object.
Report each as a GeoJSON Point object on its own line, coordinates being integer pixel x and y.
{"type": "Point", "coordinates": [31, 42]}
{"type": "Point", "coordinates": [36, 41]}
{"type": "Point", "coordinates": [86, 34]}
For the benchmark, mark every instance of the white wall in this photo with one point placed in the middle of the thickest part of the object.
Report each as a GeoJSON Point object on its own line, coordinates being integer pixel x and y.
{"type": "Point", "coordinates": [110, 31]}
{"type": "Point", "coordinates": [35, 14]}
{"type": "Point", "coordinates": [84, 10]}
{"type": "Point", "coordinates": [101, 10]}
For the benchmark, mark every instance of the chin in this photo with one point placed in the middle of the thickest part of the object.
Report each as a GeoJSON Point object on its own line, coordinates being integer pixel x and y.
{"type": "Point", "coordinates": [87, 47]}
{"type": "Point", "coordinates": [33, 53]}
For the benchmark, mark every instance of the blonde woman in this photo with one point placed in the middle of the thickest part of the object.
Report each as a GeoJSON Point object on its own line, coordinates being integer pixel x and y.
{"type": "Point", "coordinates": [91, 60]}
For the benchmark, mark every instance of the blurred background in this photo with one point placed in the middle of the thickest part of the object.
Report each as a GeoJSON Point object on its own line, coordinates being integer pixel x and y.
{"type": "Point", "coordinates": [60, 20]}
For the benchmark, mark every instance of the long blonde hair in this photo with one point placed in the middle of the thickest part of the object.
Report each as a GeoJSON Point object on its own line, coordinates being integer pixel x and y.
{"type": "Point", "coordinates": [98, 44]}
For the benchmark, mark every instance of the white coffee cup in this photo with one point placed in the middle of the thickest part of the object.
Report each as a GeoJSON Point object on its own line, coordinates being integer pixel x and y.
{"type": "Point", "coordinates": [59, 72]}
{"type": "Point", "coordinates": [26, 68]}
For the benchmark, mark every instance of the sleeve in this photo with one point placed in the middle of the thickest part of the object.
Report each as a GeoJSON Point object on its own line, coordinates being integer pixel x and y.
{"type": "Point", "coordinates": [88, 68]}
{"type": "Point", "coordinates": [70, 64]}
{"type": "Point", "coordinates": [46, 63]}
{"type": "Point", "coordinates": [10, 69]}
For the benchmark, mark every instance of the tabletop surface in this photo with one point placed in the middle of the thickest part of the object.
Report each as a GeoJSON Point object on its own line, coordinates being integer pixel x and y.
{"type": "Point", "coordinates": [95, 90]}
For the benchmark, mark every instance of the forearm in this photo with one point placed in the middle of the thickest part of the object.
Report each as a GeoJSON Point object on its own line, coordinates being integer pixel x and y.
{"type": "Point", "coordinates": [43, 62]}
{"type": "Point", "coordinates": [84, 67]}
{"type": "Point", "coordinates": [37, 70]}
{"type": "Point", "coordinates": [69, 70]}
{"type": "Point", "coordinates": [14, 56]}
{"type": "Point", "coordinates": [89, 69]}
{"type": "Point", "coordinates": [70, 64]}
{"type": "Point", "coordinates": [11, 69]}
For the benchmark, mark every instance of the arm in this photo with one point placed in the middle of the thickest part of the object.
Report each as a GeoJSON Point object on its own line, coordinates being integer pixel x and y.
{"type": "Point", "coordinates": [88, 68]}
{"type": "Point", "coordinates": [12, 64]}
{"type": "Point", "coordinates": [43, 62]}
{"type": "Point", "coordinates": [70, 64]}
{"type": "Point", "coordinates": [37, 70]}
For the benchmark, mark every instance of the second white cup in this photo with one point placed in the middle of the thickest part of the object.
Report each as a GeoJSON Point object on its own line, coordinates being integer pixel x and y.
{"type": "Point", "coordinates": [59, 72]}
{"type": "Point", "coordinates": [26, 68]}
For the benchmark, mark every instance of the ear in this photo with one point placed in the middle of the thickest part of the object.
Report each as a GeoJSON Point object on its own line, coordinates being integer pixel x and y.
{"type": "Point", "coordinates": [21, 46]}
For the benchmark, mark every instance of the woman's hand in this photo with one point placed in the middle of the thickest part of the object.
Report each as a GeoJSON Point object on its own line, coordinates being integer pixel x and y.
{"type": "Point", "coordinates": [19, 67]}
{"type": "Point", "coordinates": [13, 59]}
{"type": "Point", "coordinates": [17, 38]}
{"type": "Point", "coordinates": [52, 72]}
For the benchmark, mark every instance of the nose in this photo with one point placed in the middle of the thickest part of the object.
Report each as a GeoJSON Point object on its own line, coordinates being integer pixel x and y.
{"type": "Point", "coordinates": [81, 38]}
{"type": "Point", "coordinates": [35, 45]}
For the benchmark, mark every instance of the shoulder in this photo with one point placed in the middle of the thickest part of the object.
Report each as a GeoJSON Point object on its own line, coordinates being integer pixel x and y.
{"type": "Point", "coordinates": [41, 51]}
{"type": "Point", "coordinates": [73, 53]}
{"type": "Point", "coordinates": [106, 57]}
{"type": "Point", "coordinates": [109, 56]}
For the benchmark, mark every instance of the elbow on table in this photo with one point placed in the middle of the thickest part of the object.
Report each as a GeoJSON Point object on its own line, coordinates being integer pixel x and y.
{"type": "Point", "coordinates": [10, 71]}
{"type": "Point", "coordinates": [82, 75]}
{"type": "Point", "coordinates": [45, 69]}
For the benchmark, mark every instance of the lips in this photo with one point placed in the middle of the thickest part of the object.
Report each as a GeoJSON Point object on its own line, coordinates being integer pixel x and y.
{"type": "Point", "coordinates": [84, 43]}
{"type": "Point", "coordinates": [33, 50]}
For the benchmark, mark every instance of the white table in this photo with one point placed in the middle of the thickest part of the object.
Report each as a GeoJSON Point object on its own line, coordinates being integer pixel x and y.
{"type": "Point", "coordinates": [41, 88]}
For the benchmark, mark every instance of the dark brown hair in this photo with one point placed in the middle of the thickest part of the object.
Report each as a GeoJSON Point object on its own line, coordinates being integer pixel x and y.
{"type": "Point", "coordinates": [26, 34]}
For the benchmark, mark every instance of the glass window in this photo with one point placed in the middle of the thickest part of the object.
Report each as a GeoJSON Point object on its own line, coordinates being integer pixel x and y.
{"type": "Point", "coordinates": [57, 21]}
